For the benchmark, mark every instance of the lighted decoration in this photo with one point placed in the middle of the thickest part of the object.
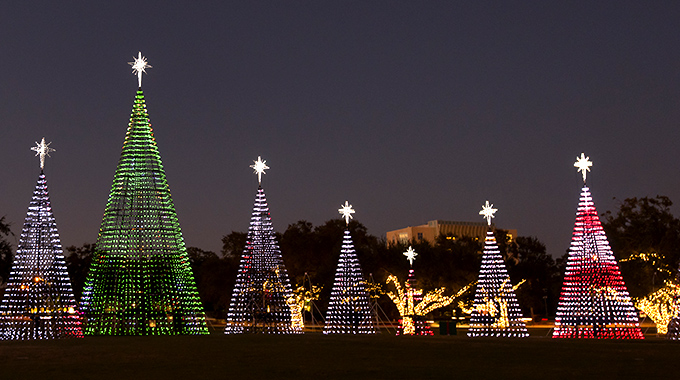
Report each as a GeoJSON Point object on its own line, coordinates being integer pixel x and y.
{"type": "Point", "coordinates": [583, 165]}
{"type": "Point", "coordinates": [594, 302]}
{"type": "Point", "coordinates": [259, 166]}
{"type": "Point", "coordinates": [413, 306]}
{"type": "Point", "coordinates": [38, 302]}
{"type": "Point", "coordinates": [349, 310]}
{"type": "Point", "coordinates": [495, 310]}
{"type": "Point", "coordinates": [302, 301]}
{"type": "Point", "coordinates": [262, 300]}
{"type": "Point", "coordinates": [140, 281]}
{"type": "Point", "coordinates": [346, 210]}
{"type": "Point", "coordinates": [410, 255]}
{"type": "Point", "coordinates": [488, 212]}
{"type": "Point", "coordinates": [139, 66]}
{"type": "Point", "coordinates": [42, 149]}
{"type": "Point", "coordinates": [661, 306]}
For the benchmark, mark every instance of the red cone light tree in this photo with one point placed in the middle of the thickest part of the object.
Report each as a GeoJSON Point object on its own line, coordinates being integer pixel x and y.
{"type": "Point", "coordinates": [594, 302]}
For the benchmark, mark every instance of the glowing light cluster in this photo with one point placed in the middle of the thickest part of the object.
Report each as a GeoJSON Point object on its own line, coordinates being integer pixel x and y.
{"type": "Point", "coordinates": [495, 311]}
{"type": "Point", "coordinates": [262, 300]}
{"type": "Point", "coordinates": [140, 281]}
{"type": "Point", "coordinates": [38, 302]}
{"type": "Point", "coordinates": [42, 149]}
{"type": "Point", "coordinates": [349, 311]}
{"type": "Point", "coordinates": [594, 302]}
{"type": "Point", "coordinates": [413, 306]}
{"type": "Point", "coordinates": [302, 301]}
{"type": "Point", "coordinates": [139, 66]}
{"type": "Point", "coordinates": [661, 306]}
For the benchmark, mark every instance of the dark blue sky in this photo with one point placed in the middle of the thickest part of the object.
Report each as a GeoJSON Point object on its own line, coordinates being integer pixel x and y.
{"type": "Point", "coordinates": [412, 111]}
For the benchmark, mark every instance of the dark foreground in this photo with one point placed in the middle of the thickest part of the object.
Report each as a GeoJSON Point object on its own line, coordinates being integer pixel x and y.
{"type": "Point", "coordinates": [322, 357]}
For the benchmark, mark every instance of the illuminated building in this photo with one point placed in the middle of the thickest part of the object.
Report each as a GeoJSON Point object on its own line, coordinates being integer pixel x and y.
{"type": "Point", "coordinates": [435, 228]}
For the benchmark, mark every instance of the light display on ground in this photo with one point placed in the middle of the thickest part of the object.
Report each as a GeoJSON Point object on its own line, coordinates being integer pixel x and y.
{"type": "Point", "coordinates": [661, 306]}
{"type": "Point", "coordinates": [140, 281]}
{"type": "Point", "coordinates": [349, 311]}
{"type": "Point", "coordinates": [496, 311]}
{"type": "Point", "coordinates": [413, 306]}
{"type": "Point", "coordinates": [38, 302]}
{"type": "Point", "coordinates": [301, 302]}
{"type": "Point", "coordinates": [594, 302]}
{"type": "Point", "coordinates": [262, 300]}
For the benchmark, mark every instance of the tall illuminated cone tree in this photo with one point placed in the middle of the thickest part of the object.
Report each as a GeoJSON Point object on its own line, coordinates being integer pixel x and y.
{"type": "Point", "coordinates": [349, 311]}
{"type": "Point", "coordinates": [594, 302]}
{"type": "Point", "coordinates": [262, 300]}
{"type": "Point", "coordinates": [140, 281]}
{"type": "Point", "coordinates": [496, 311]}
{"type": "Point", "coordinates": [38, 301]}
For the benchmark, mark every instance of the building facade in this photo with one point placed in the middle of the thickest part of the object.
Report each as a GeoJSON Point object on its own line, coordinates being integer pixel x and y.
{"type": "Point", "coordinates": [434, 228]}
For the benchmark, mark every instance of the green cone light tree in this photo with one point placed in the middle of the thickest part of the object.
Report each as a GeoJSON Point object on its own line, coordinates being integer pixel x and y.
{"type": "Point", "coordinates": [38, 302]}
{"type": "Point", "coordinates": [140, 281]}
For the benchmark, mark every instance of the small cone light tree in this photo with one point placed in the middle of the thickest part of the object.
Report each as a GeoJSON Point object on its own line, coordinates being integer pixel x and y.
{"type": "Point", "coordinates": [496, 311]}
{"type": "Point", "coordinates": [262, 300]}
{"type": "Point", "coordinates": [594, 302]}
{"type": "Point", "coordinates": [38, 302]}
{"type": "Point", "coordinates": [349, 311]}
{"type": "Point", "coordinates": [140, 281]}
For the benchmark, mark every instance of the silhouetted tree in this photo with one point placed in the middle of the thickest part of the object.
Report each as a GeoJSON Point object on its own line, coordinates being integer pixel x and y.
{"type": "Point", "coordinates": [78, 261]}
{"type": "Point", "coordinates": [644, 225]}
{"type": "Point", "coordinates": [6, 255]}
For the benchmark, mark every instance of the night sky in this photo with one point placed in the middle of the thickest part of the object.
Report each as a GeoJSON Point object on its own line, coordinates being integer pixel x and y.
{"type": "Point", "coordinates": [412, 111]}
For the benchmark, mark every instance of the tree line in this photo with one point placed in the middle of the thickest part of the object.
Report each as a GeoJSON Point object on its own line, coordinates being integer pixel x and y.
{"type": "Point", "coordinates": [310, 253]}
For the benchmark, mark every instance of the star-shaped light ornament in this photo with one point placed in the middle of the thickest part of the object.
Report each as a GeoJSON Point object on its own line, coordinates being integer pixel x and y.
{"type": "Point", "coordinates": [410, 255]}
{"type": "Point", "coordinates": [583, 164]}
{"type": "Point", "coordinates": [139, 66]}
{"type": "Point", "coordinates": [346, 212]}
{"type": "Point", "coordinates": [487, 212]}
{"type": "Point", "coordinates": [259, 166]}
{"type": "Point", "coordinates": [43, 149]}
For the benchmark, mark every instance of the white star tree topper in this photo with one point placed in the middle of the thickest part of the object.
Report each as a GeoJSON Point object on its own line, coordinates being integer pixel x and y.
{"type": "Point", "coordinates": [583, 165]}
{"type": "Point", "coordinates": [42, 150]}
{"type": "Point", "coordinates": [139, 66]}
{"type": "Point", "coordinates": [346, 212]}
{"type": "Point", "coordinates": [487, 212]}
{"type": "Point", "coordinates": [410, 255]}
{"type": "Point", "coordinates": [259, 166]}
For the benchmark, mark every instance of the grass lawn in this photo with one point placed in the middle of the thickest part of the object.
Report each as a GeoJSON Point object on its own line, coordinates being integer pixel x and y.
{"type": "Point", "coordinates": [316, 356]}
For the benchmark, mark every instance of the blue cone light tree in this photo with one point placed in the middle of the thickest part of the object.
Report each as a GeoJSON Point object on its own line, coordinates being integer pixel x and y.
{"type": "Point", "coordinates": [262, 300]}
{"type": "Point", "coordinates": [349, 311]}
{"type": "Point", "coordinates": [38, 302]}
{"type": "Point", "coordinates": [496, 312]}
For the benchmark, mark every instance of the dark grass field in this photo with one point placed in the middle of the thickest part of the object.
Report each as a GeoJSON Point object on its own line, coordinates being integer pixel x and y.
{"type": "Point", "coordinates": [316, 356]}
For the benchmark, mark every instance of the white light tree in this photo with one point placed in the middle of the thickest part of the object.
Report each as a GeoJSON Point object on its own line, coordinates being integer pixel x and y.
{"type": "Point", "coordinates": [38, 302]}
{"type": "Point", "coordinates": [349, 311]}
